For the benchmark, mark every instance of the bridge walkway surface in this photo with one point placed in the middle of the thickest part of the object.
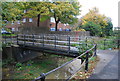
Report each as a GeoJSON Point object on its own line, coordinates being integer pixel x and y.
{"type": "Point", "coordinates": [107, 67]}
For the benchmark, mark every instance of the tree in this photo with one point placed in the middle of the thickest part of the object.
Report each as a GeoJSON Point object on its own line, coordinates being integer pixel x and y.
{"type": "Point", "coordinates": [39, 10]}
{"type": "Point", "coordinates": [11, 11]}
{"type": "Point", "coordinates": [108, 28]}
{"type": "Point", "coordinates": [93, 28]}
{"type": "Point", "coordinates": [64, 12]}
{"type": "Point", "coordinates": [99, 20]}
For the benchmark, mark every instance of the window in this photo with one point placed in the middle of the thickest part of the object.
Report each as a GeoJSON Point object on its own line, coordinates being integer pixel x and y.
{"type": "Point", "coordinates": [30, 19]}
{"type": "Point", "coordinates": [24, 20]}
{"type": "Point", "coordinates": [60, 29]}
{"type": "Point", "coordinates": [13, 29]}
{"type": "Point", "coordinates": [52, 29]}
{"type": "Point", "coordinates": [18, 22]}
{"type": "Point", "coordinates": [52, 19]}
{"type": "Point", "coordinates": [12, 22]}
{"type": "Point", "coordinates": [24, 11]}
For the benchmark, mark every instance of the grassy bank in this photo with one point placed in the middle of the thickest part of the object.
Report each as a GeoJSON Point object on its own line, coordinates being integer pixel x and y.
{"type": "Point", "coordinates": [32, 69]}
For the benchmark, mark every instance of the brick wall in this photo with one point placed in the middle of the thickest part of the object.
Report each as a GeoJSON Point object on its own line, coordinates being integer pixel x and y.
{"type": "Point", "coordinates": [60, 25]}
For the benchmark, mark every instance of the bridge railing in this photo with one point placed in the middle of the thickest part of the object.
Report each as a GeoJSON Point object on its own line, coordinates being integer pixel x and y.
{"type": "Point", "coordinates": [57, 42]}
{"type": "Point", "coordinates": [84, 64]}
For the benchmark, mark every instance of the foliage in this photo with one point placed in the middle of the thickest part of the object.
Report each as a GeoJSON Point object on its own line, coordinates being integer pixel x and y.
{"type": "Point", "coordinates": [107, 43]}
{"type": "Point", "coordinates": [18, 64]}
{"type": "Point", "coordinates": [11, 11]}
{"type": "Point", "coordinates": [64, 12]}
{"type": "Point", "coordinates": [108, 29]}
{"type": "Point", "coordinates": [96, 23]}
{"type": "Point", "coordinates": [7, 61]}
{"type": "Point", "coordinates": [93, 28]}
{"type": "Point", "coordinates": [79, 29]}
{"type": "Point", "coordinates": [84, 46]}
{"type": "Point", "coordinates": [38, 65]}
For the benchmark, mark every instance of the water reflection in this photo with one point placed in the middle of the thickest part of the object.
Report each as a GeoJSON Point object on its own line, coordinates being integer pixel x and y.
{"type": "Point", "coordinates": [66, 71]}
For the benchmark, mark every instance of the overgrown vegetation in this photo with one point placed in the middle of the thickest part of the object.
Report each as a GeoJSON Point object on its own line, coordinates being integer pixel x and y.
{"type": "Point", "coordinates": [32, 68]}
{"type": "Point", "coordinates": [109, 42]}
{"type": "Point", "coordinates": [96, 23]}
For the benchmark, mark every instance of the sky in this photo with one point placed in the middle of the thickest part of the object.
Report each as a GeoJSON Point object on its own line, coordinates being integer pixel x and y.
{"type": "Point", "coordinates": [107, 7]}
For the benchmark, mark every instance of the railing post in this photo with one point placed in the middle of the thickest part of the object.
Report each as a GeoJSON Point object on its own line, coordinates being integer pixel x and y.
{"type": "Point", "coordinates": [79, 40]}
{"type": "Point", "coordinates": [86, 41]}
{"type": "Point", "coordinates": [42, 77]}
{"type": "Point", "coordinates": [17, 39]}
{"type": "Point", "coordinates": [104, 43]}
{"type": "Point", "coordinates": [5, 39]}
{"type": "Point", "coordinates": [86, 62]}
{"type": "Point", "coordinates": [68, 43]}
{"type": "Point", "coordinates": [24, 40]}
{"type": "Point", "coordinates": [11, 38]}
{"type": "Point", "coordinates": [118, 42]}
{"type": "Point", "coordinates": [55, 42]}
{"type": "Point", "coordinates": [43, 40]}
{"type": "Point", "coordinates": [33, 38]}
{"type": "Point", "coordinates": [95, 50]}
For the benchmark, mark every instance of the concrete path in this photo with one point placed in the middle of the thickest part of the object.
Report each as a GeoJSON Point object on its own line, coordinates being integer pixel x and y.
{"type": "Point", "coordinates": [107, 67]}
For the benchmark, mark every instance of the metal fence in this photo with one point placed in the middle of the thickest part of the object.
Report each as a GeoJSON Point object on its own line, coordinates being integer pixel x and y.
{"type": "Point", "coordinates": [88, 57]}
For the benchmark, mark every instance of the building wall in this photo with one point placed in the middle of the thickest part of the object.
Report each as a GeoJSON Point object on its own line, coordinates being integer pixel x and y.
{"type": "Point", "coordinates": [31, 27]}
{"type": "Point", "coordinates": [60, 25]}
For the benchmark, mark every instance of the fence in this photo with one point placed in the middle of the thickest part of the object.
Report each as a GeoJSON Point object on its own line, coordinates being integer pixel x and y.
{"type": "Point", "coordinates": [55, 41]}
{"type": "Point", "coordinates": [59, 41]}
{"type": "Point", "coordinates": [108, 44]}
{"type": "Point", "coordinates": [85, 62]}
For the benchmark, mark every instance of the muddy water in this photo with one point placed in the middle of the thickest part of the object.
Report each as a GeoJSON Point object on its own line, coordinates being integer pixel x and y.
{"type": "Point", "coordinates": [66, 71]}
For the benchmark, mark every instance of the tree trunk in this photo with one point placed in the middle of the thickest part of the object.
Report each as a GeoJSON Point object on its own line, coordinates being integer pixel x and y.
{"type": "Point", "coordinates": [56, 25]}
{"type": "Point", "coordinates": [38, 22]}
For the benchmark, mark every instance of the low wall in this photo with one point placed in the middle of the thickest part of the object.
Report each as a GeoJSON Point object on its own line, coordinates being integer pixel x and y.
{"type": "Point", "coordinates": [72, 33]}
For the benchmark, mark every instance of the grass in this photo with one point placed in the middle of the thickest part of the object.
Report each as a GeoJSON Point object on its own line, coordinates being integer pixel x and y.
{"type": "Point", "coordinates": [8, 34]}
{"type": "Point", "coordinates": [32, 69]}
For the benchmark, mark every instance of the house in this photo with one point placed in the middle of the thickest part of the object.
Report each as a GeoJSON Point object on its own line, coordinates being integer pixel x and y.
{"type": "Point", "coordinates": [29, 25]}
{"type": "Point", "coordinates": [61, 26]}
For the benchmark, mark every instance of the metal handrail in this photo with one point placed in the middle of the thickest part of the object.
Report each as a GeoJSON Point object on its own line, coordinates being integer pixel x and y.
{"type": "Point", "coordinates": [45, 74]}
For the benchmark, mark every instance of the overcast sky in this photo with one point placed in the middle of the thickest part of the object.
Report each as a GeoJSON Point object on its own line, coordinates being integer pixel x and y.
{"type": "Point", "coordinates": [106, 7]}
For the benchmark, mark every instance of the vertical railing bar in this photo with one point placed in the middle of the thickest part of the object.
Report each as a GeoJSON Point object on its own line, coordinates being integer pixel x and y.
{"type": "Point", "coordinates": [86, 62]}
{"type": "Point", "coordinates": [68, 44]}
{"type": "Point", "coordinates": [17, 40]}
{"type": "Point", "coordinates": [5, 39]}
{"type": "Point", "coordinates": [118, 42]}
{"type": "Point", "coordinates": [33, 38]}
{"type": "Point", "coordinates": [11, 38]}
{"type": "Point", "coordinates": [42, 77]}
{"type": "Point", "coordinates": [86, 42]}
{"type": "Point", "coordinates": [43, 40]}
{"type": "Point", "coordinates": [24, 40]}
{"type": "Point", "coordinates": [95, 50]}
{"type": "Point", "coordinates": [55, 42]}
{"type": "Point", "coordinates": [79, 40]}
{"type": "Point", "coordinates": [104, 43]}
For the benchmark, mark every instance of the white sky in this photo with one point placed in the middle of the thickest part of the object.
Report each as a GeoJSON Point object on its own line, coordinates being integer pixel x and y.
{"type": "Point", "coordinates": [106, 7]}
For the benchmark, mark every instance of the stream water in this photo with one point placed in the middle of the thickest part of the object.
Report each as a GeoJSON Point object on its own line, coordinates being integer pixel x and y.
{"type": "Point", "coordinates": [66, 71]}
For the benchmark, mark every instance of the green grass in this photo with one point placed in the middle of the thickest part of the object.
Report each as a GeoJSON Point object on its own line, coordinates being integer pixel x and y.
{"type": "Point", "coordinates": [8, 34]}
{"type": "Point", "coordinates": [33, 68]}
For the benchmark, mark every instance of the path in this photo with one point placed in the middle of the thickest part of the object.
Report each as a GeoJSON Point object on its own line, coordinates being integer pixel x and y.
{"type": "Point", "coordinates": [107, 67]}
